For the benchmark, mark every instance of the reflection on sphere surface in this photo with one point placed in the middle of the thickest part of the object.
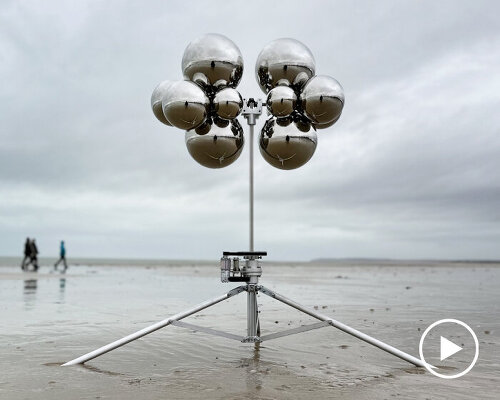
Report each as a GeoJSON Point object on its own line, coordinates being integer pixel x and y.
{"type": "Point", "coordinates": [217, 148]}
{"type": "Point", "coordinates": [287, 145]}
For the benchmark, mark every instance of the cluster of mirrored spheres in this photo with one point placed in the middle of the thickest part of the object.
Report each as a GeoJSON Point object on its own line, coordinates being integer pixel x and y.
{"type": "Point", "coordinates": [206, 103]}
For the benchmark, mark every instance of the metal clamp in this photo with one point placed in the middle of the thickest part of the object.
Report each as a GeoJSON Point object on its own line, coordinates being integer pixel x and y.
{"type": "Point", "coordinates": [252, 109]}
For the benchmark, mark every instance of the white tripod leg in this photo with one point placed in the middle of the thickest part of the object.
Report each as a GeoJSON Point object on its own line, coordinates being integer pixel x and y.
{"type": "Point", "coordinates": [143, 332]}
{"type": "Point", "coordinates": [345, 328]}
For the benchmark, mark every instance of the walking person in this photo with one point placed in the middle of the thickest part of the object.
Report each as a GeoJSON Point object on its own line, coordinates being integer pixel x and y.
{"type": "Point", "coordinates": [62, 256]}
{"type": "Point", "coordinates": [34, 255]}
{"type": "Point", "coordinates": [27, 253]}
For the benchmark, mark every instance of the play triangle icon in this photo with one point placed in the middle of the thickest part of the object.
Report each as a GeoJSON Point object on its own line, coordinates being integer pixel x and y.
{"type": "Point", "coordinates": [448, 348]}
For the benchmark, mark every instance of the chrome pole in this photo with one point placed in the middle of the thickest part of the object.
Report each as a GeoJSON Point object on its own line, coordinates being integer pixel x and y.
{"type": "Point", "coordinates": [252, 315]}
{"type": "Point", "coordinates": [252, 109]}
{"type": "Point", "coordinates": [251, 126]}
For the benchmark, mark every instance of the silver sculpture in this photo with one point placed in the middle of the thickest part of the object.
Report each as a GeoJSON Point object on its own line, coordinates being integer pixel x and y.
{"type": "Point", "coordinates": [213, 60]}
{"type": "Point", "coordinates": [228, 103]}
{"type": "Point", "coordinates": [285, 71]}
{"type": "Point", "coordinates": [322, 99]}
{"type": "Point", "coordinates": [156, 98]}
{"type": "Point", "coordinates": [286, 144]}
{"type": "Point", "coordinates": [185, 105]}
{"type": "Point", "coordinates": [284, 62]}
{"type": "Point", "coordinates": [281, 101]}
{"type": "Point", "coordinates": [207, 105]}
{"type": "Point", "coordinates": [219, 147]}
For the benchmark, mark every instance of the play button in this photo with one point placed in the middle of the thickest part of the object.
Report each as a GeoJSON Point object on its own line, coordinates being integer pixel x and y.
{"type": "Point", "coordinates": [449, 348]}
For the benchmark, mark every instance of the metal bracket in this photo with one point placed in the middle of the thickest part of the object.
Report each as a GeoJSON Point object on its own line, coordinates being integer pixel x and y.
{"type": "Point", "coordinates": [265, 290]}
{"type": "Point", "coordinates": [210, 331]}
{"type": "Point", "coordinates": [293, 331]}
{"type": "Point", "coordinates": [252, 339]}
{"type": "Point", "coordinates": [235, 291]}
{"type": "Point", "coordinates": [252, 288]}
{"type": "Point", "coordinates": [245, 254]}
{"type": "Point", "coordinates": [252, 109]}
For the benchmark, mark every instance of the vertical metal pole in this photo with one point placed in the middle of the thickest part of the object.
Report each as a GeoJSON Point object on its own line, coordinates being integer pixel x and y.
{"type": "Point", "coordinates": [251, 126]}
{"type": "Point", "coordinates": [251, 111]}
{"type": "Point", "coordinates": [252, 316]}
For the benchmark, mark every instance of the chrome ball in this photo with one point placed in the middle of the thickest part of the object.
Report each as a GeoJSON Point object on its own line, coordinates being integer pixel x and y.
{"type": "Point", "coordinates": [217, 148]}
{"type": "Point", "coordinates": [228, 103]}
{"type": "Point", "coordinates": [156, 99]}
{"type": "Point", "coordinates": [322, 99]}
{"type": "Point", "coordinates": [204, 128]}
{"type": "Point", "coordinates": [213, 60]}
{"type": "Point", "coordinates": [285, 62]}
{"type": "Point", "coordinates": [281, 101]}
{"type": "Point", "coordinates": [285, 145]}
{"type": "Point", "coordinates": [185, 105]}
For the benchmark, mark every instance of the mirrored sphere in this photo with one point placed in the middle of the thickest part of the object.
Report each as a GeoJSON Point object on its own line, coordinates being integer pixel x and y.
{"type": "Point", "coordinates": [156, 99]}
{"type": "Point", "coordinates": [281, 101]}
{"type": "Point", "coordinates": [204, 128]}
{"type": "Point", "coordinates": [286, 61]}
{"type": "Point", "coordinates": [322, 99]}
{"type": "Point", "coordinates": [228, 103]}
{"type": "Point", "coordinates": [285, 146]}
{"type": "Point", "coordinates": [217, 148]}
{"type": "Point", "coordinates": [213, 60]}
{"type": "Point", "coordinates": [185, 105]}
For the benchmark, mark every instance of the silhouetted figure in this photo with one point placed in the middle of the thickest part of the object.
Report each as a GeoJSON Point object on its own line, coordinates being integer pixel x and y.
{"type": "Point", "coordinates": [34, 255]}
{"type": "Point", "coordinates": [62, 256]}
{"type": "Point", "coordinates": [27, 253]}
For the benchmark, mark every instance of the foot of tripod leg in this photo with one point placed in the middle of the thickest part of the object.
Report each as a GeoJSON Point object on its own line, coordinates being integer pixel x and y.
{"type": "Point", "coordinates": [251, 339]}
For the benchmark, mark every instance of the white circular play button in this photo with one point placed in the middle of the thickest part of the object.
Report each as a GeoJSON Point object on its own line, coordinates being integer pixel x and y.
{"type": "Point", "coordinates": [448, 348]}
{"type": "Point", "coordinates": [451, 348]}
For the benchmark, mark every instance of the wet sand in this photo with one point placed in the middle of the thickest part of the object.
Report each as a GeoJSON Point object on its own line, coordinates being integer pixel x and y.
{"type": "Point", "coordinates": [50, 318]}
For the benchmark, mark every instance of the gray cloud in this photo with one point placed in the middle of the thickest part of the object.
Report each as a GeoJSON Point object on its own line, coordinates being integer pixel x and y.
{"type": "Point", "coordinates": [410, 170]}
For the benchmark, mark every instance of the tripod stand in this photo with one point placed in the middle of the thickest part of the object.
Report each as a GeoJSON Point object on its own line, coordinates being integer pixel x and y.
{"type": "Point", "coordinates": [249, 273]}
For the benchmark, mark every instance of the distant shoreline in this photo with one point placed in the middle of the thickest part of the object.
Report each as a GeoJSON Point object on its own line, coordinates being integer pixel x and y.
{"type": "Point", "coordinates": [14, 261]}
{"type": "Point", "coordinates": [403, 260]}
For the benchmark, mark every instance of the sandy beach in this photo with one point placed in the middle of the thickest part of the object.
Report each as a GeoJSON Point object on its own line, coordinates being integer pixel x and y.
{"type": "Point", "coordinates": [49, 318]}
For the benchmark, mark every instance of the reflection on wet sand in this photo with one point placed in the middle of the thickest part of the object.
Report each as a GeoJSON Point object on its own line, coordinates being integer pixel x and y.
{"type": "Point", "coordinates": [99, 370]}
{"type": "Point", "coordinates": [30, 289]}
{"type": "Point", "coordinates": [253, 366]}
{"type": "Point", "coordinates": [30, 286]}
{"type": "Point", "coordinates": [62, 288]}
{"type": "Point", "coordinates": [29, 293]}
{"type": "Point", "coordinates": [86, 368]}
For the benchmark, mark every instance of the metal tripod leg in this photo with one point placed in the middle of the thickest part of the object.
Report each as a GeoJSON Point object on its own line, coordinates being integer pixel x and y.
{"type": "Point", "coordinates": [345, 328]}
{"type": "Point", "coordinates": [143, 332]}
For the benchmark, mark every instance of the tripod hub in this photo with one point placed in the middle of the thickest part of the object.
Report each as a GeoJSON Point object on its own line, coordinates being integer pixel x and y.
{"type": "Point", "coordinates": [232, 270]}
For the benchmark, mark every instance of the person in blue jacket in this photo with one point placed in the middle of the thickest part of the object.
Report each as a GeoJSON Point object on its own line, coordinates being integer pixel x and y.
{"type": "Point", "coordinates": [62, 257]}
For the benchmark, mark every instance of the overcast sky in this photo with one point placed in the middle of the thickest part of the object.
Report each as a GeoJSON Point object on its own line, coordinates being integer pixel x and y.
{"type": "Point", "coordinates": [411, 170]}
